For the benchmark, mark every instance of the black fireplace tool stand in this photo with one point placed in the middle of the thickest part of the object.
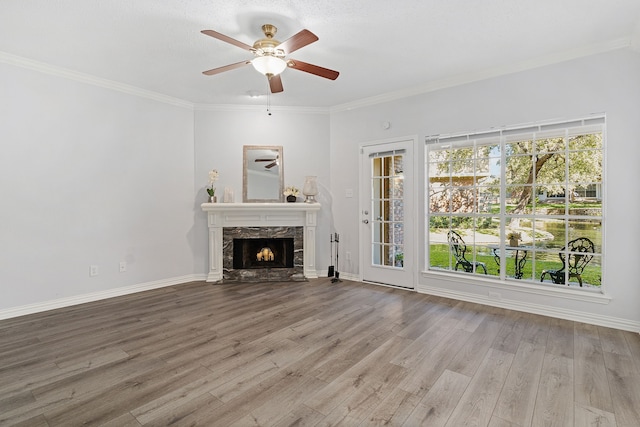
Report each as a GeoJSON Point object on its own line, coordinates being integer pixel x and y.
{"type": "Point", "coordinates": [333, 268]}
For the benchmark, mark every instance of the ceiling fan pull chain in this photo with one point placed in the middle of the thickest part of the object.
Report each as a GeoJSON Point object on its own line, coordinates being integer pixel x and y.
{"type": "Point", "coordinates": [268, 99]}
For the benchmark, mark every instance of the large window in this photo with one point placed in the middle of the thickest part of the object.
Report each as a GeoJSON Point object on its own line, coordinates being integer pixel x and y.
{"type": "Point", "coordinates": [522, 204]}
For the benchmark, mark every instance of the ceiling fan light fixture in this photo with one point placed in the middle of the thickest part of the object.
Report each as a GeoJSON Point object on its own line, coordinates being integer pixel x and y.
{"type": "Point", "coordinates": [269, 65]}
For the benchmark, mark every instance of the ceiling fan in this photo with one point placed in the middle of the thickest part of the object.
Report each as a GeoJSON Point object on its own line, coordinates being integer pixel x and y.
{"type": "Point", "coordinates": [273, 163]}
{"type": "Point", "coordinates": [270, 56]}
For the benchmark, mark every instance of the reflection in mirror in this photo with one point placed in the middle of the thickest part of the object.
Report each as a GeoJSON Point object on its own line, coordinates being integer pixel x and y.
{"type": "Point", "coordinates": [262, 174]}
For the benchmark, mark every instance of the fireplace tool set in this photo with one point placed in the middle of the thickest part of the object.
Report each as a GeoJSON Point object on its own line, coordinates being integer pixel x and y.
{"type": "Point", "coordinates": [333, 268]}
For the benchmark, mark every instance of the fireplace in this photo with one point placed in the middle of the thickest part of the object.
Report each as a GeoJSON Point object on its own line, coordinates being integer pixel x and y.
{"type": "Point", "coordinates": [254, 254]}
{"type": "Point", "coordinates": [230, 221]}
{"type": "Point", "coordinates": [263, 253]}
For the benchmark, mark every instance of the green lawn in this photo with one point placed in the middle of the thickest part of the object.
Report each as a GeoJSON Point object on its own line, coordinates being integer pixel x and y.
{"type": "Point", "coordinates": [439, 258]}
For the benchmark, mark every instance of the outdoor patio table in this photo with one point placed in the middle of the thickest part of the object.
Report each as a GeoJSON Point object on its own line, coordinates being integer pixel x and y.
{"type": "Point", "coordinates": [519, 260]}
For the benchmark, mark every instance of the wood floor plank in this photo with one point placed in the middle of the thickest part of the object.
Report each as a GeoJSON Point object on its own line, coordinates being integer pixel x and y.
{"type": "Point", "coordinates": [589, 416]}
{"type": "Point", "coordinates": [393, 410]}
{"type": "Point", "coordinates": [499, 422]}
{"type": "Point", "coordinates": [426, 371]}
{"type": "Point", "coordinates": [473, 316]}
{"type": "Point", "coordinates": [613, 341]}
{"type": "Point", "coordinates": [436, 406]}
{"type": "Point", "coordinates": [511, 333]}
{"type": "Point", "coordinates": [363, 375]}
{"type": "Point", "coordinates": [554, 402]}
{"type": "Point", "coordinates": [193, 412]}
{"type": "Point", "coordinates": [311, 354]}
{"type": "Point", "coordinates": [300, 416]}
{"type": "Point", "coordinates": [123, 397]}
{"type": "Point", "coordinates": [560, 342]}
{"type": "Point", "coordinates": [518, 396]}
{"type": "Point", "coordinates": [624, 382]}
{"type": "Point", "coordinates": [476, 404]}
{"type": "Point", "coordinates": [286, 397]}
{"type": "Point", "coordinates": [472, 353]}
{"type": "Point", "coordinates": [591, 384]}
{"type": "Point", "coordinates": [37, 421]}
{"type": "Point", "coordinates": [357, 407]}
{"type": "Point", "coordinates": [633, 341]}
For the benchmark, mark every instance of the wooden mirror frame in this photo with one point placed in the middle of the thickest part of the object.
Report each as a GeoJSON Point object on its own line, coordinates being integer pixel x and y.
{"type": "Point", "coordinates": [250, 187]}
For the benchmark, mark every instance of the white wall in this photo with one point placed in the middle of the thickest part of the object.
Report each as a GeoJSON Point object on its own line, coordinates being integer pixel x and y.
{"type": "Point", "coordinates": [94, 176]}
{"type": "Point", "coordinates": [90, 176]}
{"type": "Point", "coordinates": [607, 83]}
{"type": "Point", "coordinates": [219, 137]}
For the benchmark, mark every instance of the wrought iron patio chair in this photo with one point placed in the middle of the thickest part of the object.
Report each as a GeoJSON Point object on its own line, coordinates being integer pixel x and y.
{"type": "Point", "coordinates": [579, 255]}
{"type": "Point", "coordinates": [458, 248]}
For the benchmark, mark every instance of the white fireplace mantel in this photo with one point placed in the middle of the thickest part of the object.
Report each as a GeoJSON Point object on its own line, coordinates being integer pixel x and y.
{"type": "Point", "coordinates": [220, 215]}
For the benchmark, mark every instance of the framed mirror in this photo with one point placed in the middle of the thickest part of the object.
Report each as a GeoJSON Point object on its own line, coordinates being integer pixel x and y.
{"type": "Point", "coordinates": [262, 174]}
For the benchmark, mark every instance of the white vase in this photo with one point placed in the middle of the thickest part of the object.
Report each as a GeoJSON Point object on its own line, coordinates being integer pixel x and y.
{"type": "Point", "coordinates": [310, 189]}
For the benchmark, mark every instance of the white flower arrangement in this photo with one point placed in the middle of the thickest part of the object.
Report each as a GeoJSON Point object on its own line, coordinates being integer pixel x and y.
{"type": "Point", "coordinates": [291, 191]}
{"type": "Point", "coordinates": [213, 177]}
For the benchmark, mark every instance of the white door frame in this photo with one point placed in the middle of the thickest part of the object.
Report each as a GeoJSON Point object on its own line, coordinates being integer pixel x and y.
{"type": "Point", "coordinates": [363, 204]}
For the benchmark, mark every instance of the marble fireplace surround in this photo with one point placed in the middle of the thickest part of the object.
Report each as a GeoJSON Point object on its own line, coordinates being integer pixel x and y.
{"type": "Point", "coordinates": [258, 218]}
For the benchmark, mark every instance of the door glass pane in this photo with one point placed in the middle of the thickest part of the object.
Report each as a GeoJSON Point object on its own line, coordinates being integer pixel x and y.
{"type": "Point", "coordinates": [387, 205]}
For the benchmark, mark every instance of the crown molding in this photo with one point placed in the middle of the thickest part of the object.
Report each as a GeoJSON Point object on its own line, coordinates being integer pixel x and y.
{"type": "Point", "coordinates": [260, 108]}
{"type": "Point", "coordinates": [42, 67]}
{"type": "Point", "coordinates": [479, 75]}
{"type": "Point", "coordinates": [632, 42]}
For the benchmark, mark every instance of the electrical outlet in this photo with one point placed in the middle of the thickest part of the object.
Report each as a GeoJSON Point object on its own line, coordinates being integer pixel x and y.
{"type": "Point", "coordinates": [93, 270]}
{"type": "Point", "coordinates": [123, 266]}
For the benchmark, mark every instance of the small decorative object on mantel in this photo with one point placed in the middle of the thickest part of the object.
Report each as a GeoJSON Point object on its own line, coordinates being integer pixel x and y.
{"type": "Point", "coordinates": [228, 195]}
{"type": "Point", "coordinates": [292, 193]}
{"type": "Point", "coordinates": [514, 238]}
{"type": "Point", "coordinates": [310, 189]}
{"type": "Point", "coordinates": [211, 190]}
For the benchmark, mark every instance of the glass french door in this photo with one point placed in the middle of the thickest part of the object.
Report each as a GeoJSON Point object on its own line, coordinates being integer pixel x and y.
{"type": "Point", "coordinates": [387, 220]}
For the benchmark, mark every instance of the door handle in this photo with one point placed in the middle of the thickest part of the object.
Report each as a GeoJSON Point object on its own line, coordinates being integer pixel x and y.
{"type": "Point", "coordinates": [365, 221]}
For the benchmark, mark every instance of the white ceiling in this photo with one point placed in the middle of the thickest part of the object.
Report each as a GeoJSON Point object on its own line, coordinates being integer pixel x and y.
{"type": "Point", "coordinates": [380, 47]}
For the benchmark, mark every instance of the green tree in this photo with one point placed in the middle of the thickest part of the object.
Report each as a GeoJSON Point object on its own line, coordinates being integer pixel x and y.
{"type": "Point", "coordinates": [547, 161]}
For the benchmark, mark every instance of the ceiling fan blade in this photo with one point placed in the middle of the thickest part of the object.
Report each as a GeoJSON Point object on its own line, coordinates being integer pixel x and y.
{"type": "Point", "coordinates": [275, 84]}
{"type": "Point", "coordinates": [219, 36]}
{"type": "Point", "coordinates": [269, 166]}
{"type": "Point", "coordinates": [265, 160]}
{"type": "Point", "coordinates": [297, 41]}
{"type": "Point", "coordinates": [226, 68]}
{"type": "Point", "coordinates": [313, 69]}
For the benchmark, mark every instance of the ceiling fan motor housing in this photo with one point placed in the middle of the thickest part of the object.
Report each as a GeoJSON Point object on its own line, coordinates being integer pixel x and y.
{"type": "Point", "coordinates": [267, 45]}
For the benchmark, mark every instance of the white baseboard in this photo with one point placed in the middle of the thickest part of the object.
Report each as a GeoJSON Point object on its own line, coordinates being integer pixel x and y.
{"type": "Point", "coordinates": [577, 316]}
{"type": "Point", "coordinates": [96, 296]}
{"type": "Point", "coordinates": [345, 276]}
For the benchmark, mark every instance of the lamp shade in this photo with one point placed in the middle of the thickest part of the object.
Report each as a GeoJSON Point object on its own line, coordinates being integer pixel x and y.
{"type": "Point", "coordinates": [269, 65]}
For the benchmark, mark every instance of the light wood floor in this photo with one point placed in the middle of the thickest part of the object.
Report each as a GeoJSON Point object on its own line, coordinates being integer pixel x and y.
{"type": "Point", "coordinates": [311, 354]}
